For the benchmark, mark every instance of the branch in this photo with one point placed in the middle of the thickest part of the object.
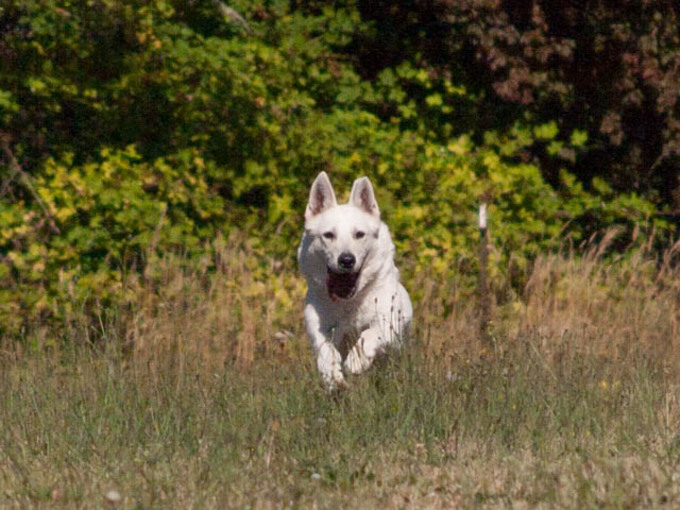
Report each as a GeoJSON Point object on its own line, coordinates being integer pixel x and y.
{"type": "Point", "coordinates": [26, 181]}
{"type": "Point", "coordinates": [231, 14]}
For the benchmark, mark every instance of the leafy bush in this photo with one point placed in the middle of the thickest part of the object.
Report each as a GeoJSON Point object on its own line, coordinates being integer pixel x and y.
{"type": "Point", "coordinates": [608, 68]}
{"type": "Point", "coordinates": [152, 128]}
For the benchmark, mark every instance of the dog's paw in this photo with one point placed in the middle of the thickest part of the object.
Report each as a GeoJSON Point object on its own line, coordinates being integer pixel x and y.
{"type": "Point", "coordinates": [337, 388]}
{"type": "Point", "coordinates": [334, 382]}
{"type": "Point", "coordinates": [360, 357]}
{"type": "Point", "coordinates": [356, 362]}
{"type": "Point", "coordinates": [329, 363]}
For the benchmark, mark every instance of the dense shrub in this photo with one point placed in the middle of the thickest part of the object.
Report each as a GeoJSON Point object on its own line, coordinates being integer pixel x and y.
{"type": "Point", "coordinates": [133, 130]}
{"type": "Point", "coordinates": [608, 68]}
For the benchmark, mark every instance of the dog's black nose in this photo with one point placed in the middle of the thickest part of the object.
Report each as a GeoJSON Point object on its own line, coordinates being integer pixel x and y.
{"type": "Point", "coordinates": [346, 261]}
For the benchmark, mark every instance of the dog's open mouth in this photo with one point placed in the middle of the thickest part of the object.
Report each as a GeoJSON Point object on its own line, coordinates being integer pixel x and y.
{"type": "Point", "coordinates": [341, 285]}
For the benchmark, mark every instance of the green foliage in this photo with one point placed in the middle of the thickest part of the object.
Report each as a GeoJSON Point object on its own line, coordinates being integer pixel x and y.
{"type": "Point", "coordinates": [154, 126]}
{"type": "Point", "coordinates": [111, 216]}
{"type": "Point", "coordinates": [602, 69]}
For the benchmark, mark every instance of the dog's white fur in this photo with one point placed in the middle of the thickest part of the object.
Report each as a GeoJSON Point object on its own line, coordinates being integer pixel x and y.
{"type": "Point", "coordinates": [352, 314]}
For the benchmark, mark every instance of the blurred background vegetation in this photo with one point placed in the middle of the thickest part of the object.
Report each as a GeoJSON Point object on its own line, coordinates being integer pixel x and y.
{"type": "Point", "coordinates": [132, 130]}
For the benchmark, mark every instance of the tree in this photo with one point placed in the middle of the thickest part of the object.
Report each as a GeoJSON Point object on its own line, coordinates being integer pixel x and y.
{"type": "Point", "coordinates": [606, 67]}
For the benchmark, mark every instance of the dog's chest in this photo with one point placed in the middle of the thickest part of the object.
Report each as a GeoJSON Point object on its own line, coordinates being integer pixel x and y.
{"type": "Point", "coordinates": [345, 330]}
{"type": "Point", "coordinates": [347, 320]}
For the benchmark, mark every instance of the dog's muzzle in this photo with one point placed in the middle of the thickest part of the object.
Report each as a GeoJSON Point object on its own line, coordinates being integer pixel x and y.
{"type": "Point", "coordinates": [341, 284]}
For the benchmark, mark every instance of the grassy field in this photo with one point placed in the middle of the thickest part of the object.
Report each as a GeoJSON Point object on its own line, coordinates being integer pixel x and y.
{"type": "Point", "coordinates": [205, 396]}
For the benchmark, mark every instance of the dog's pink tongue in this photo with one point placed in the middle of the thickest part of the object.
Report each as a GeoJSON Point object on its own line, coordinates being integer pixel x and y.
{"type": "Point", "coordinates": [329, 287]}
{"type": "Point", "coordinates": [340, 285]}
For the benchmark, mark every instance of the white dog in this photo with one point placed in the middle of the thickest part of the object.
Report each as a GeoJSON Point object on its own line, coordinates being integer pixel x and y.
{"type": "Point", "coordinates": [356, 308]}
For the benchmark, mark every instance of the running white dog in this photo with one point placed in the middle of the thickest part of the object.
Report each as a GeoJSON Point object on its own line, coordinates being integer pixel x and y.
{"type": "Point", "coordinates": [356, 308]}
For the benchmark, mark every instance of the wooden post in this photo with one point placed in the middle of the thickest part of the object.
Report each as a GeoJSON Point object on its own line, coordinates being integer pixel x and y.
{"type": "Point", "coordinates": [483, 290]}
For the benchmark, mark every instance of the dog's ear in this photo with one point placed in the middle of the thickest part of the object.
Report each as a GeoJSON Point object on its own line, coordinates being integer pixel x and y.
{"type": "Point", "coordinates": [321, 197]}
{"type": "Point", "coordinates": [362, 196]}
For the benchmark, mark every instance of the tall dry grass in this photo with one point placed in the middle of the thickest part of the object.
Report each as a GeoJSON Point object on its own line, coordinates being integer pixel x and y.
{"type": "Point", "coordinates": [626, 305]}
{"type": "Point", "coordinates": [587, 301]}
{"type": "Point", "coordinates": [204, 394]}
{"type": "Point", "coordinates": [236, 306]}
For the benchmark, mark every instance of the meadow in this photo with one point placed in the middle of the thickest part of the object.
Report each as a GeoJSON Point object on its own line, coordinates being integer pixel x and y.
{"type": "Point", "coordinates": [155, 163]}
{"type": "Point", "coordinates": [203, 394]}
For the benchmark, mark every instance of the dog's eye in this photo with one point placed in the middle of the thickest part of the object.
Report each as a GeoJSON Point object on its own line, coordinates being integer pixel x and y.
{"type": "Point", "coordinates": [329, 235]}
{"type": "Point", "coordinates": [359, 234]}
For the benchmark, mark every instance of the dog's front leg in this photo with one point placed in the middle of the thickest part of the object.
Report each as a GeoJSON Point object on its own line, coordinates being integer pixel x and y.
{"type": "Point", "coordinates": [328, 358]}
{"type": "Point", "coordinates": [363, 353]}
{"type": "Point", "coordinates": [329, 363]}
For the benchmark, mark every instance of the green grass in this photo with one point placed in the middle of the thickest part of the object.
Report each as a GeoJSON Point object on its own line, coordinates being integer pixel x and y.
{"type": "Point", "coordinates": [499, 431]}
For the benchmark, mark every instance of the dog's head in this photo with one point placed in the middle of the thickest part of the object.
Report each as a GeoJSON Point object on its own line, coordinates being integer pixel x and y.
{"type": "Point", "coordinates": [340, 239]}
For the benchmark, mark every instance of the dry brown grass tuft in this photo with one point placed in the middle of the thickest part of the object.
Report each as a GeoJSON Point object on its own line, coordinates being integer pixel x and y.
{"type": "Point", "coordinates": [618, 307]}
{"type": "Point", "coordinates": [228, 311]}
